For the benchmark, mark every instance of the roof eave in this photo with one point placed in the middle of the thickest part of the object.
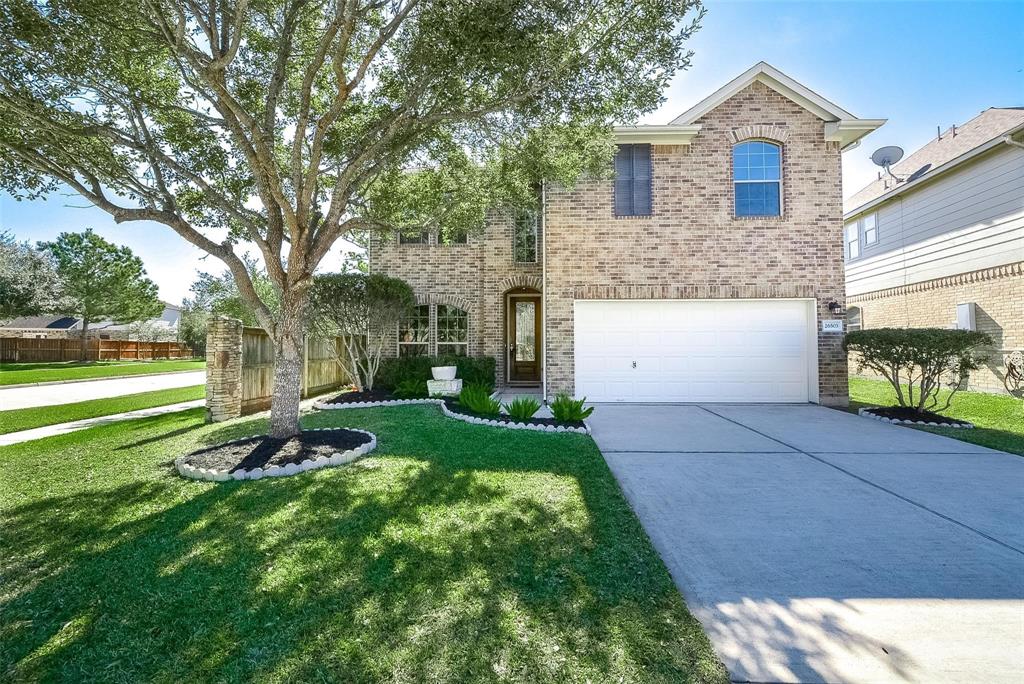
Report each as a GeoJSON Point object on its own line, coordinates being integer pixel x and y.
{"type": "Point", "coordinates": [848, 132]}
{"type": "Point", "coordinates": [932, 174]}
{"type": "Point", "coordinates": [656, 135]}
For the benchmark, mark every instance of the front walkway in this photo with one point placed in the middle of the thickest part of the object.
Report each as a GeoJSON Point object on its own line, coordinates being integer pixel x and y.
{"type": "Point", "coordinates": [66, 393]}
{"type": "Point", "coordinates": [818, 546]}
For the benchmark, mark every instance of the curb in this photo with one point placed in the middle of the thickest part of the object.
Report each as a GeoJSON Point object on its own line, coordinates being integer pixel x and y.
{"type": "Point", "coordinates": [104, 377]}
{"type": "Point", "coordinates": [336, 459]}
{"type": "Point", "coordinates": [585, 430]}
{"type": "Point", "coordinates": [866, 413]}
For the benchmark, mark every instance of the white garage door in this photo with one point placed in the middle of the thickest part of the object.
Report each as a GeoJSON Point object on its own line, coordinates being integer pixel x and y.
{"type": "Point", "coordinates": [693, 350]}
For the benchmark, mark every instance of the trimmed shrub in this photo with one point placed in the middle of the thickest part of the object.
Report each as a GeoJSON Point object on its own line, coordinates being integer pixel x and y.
{"type": "Point", "coordinates": [522, 408]}
{"type": "Point", "coordinates": [471, 369]}
{"type": "Point", "coordinates": [567, 409]}
{"type": "Point", "coordinates": [918, 362]}
{"type": "Point", "coordinates": [477, 399]}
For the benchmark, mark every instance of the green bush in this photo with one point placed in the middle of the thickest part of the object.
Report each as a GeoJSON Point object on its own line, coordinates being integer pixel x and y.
{"type": "Point", "coordinates": [411, 389]}
{"type": "Point", "coordinates": [567, 409]}
{"type": "Point", "coordinates": [471, 369]}
{"type": "Point", "coordinates": [476, 398]}
{"type": "Point", "coordinates": [522, 408]}
{"type": "Point", "coordinates": [917, 362]}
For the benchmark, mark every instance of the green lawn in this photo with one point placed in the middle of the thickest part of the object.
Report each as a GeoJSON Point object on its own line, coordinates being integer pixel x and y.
{"type": "Point", "coordinates": [26, 419]}
{"type": "Point", "coordinates": [998, 419]}
{"type": "Point", "coordinates": [18, 373]}
{"type": "Point", "coordinates": [454, 553]}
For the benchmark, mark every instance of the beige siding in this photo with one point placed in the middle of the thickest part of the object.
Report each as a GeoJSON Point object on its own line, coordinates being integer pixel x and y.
{"type": "Point", "coordinates": [971, 219]}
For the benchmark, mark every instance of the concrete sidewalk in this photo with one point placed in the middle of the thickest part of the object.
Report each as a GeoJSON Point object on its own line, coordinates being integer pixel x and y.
{"type": "Point", "coordinates": [67, 393]}
{"type": "Point", "coordinates": [818, 546]}
{"type": "Point", "coordinates": [63, 428]}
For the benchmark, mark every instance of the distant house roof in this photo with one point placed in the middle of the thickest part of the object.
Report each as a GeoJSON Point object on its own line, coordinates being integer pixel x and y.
{"type": "Point", "coordinates": [43, 322]}
{"type": "Point", "coordinates": [840, 125]}
{"type": "Point", "coordinates": [955, 146]}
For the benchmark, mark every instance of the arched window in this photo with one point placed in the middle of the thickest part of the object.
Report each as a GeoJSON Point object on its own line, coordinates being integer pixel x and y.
{"type": "Point", "coordinates": [853, 318]}
{"type": "Point", "coordinates": [757, 178]}
{"type": "Point", "coordinates": [452, 331]}
{"type": "Point", "coordinates": [414, 333]}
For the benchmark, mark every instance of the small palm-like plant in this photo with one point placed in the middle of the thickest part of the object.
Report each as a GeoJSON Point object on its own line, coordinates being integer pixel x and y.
{"type": "Point", "coordinates": [477, 398]}
{"type": "Point", "coordinates": [522, 408]}
{"type": "Point", "coordinates": [566, 409]}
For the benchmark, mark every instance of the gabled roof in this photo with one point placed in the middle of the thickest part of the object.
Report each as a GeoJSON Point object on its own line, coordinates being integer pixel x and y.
{"type": "Point", "coordinates": [956, 145]}
{"type": "Point", "coordinates": [840, 125]}
{"type": "Point", "coordinates": [41, 322]}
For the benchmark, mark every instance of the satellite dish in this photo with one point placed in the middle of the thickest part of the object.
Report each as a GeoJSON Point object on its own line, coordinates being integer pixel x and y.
{"type": "Point", "coordinates": [887, 156]}
{"type": "Point", "coordinates": [920, 172]}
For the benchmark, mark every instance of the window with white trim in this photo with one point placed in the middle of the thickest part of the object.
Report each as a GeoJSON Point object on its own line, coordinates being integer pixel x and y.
{"type": "Point", "coordinates": [414, 333]}
{"type": "Point", "coordinates": [452, 331]}
{"type": "Point", "coordinates": [869, 229]}
{"type": "Point", "coordinates": [851, 241]}
{"type": "Point", "coordinates": [854, 318]}
{"type": "Point", "coordinates": [524, 245]}
{"type": "Point", "coordinates": [757, 178]}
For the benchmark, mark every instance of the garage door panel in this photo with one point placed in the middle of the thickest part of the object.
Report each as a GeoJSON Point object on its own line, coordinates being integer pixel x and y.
{"type": "Point", "coordinates": [728, 351]}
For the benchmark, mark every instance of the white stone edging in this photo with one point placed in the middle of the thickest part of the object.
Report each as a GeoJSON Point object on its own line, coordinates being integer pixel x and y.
{"type": "Point", "coordinates": [457, 416]}
{"type": "Point", "coordinates": [336, 459]}
{"type": "Point", "coordinates": [866, 412]}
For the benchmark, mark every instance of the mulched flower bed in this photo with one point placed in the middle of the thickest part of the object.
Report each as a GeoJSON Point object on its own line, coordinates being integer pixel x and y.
{"type": "Point", "coordinates": [454, 406]}
{"type": "Point", "coordinates": [263, 452]}
{"type": "Point", "coordinates": [903, 414]}
{"type": "Point", "coordinates": [354, 397]}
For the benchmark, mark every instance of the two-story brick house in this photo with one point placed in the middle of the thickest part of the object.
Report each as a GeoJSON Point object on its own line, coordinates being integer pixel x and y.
{"type": "Point", "coordinates": [700, 272]}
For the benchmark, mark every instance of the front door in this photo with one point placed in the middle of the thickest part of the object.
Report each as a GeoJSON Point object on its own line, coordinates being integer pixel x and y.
{"type": "Point", "coordinates": [524, 338]}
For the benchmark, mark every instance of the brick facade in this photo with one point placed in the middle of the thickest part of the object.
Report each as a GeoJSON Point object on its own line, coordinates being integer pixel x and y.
{"type": "Point", "coordinates": [474, 277]}
{"type": "Point", "coordinates": [999, 297]}
{"type": "Point", "coordinates": [692, 247]}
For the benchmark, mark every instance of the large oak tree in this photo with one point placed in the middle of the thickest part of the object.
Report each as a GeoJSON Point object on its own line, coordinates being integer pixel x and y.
{"type": "Point", "coordinates": [284, 125]}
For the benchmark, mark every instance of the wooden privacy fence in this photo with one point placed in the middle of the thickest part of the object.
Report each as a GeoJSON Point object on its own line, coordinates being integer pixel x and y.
{"type": "Point", "coordinates": [240, 369]}
{"type": "Point", "coordinates": [27, 350]}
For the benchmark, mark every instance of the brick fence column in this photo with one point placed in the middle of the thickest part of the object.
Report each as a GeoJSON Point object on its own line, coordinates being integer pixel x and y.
{"type": "Point", "coordinates": [223, 369]}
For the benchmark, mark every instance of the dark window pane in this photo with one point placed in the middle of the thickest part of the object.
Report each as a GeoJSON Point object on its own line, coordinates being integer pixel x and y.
{"type": "Point", "coordinates": [632, 186]}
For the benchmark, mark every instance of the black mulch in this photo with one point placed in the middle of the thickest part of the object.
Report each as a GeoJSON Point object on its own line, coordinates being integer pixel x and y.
{"type": "Point", "coordinates": [354, 397]}
{"type": "Point", "coordinates": [263, 452]}
{"type": "Point", "coordinates": [904, 413]}
{"type": "Point", "coordinates": [454, 405]}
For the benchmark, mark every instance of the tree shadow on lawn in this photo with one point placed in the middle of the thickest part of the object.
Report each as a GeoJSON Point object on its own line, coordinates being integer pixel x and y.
{"type": "Point", "coordinates": [454, 553]}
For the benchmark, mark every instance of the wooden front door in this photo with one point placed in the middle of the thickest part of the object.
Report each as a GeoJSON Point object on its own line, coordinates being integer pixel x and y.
{"type": "Point", "coordinates": [524, 341]}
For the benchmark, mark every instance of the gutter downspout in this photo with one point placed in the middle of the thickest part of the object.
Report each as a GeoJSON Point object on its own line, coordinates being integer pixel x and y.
{"type": "Point", "coordinates": [544, 290]}
{"type": "Point", "coordinates": [1010, 141]}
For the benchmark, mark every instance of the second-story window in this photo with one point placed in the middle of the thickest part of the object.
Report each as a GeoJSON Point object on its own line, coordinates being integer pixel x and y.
{"type": "Point", "coordinates": [851, 240]}
{"type": "Point", "coordinates": [413, 237]}
{"type": "Point", "coordinates": [524, 238]}
{"type": "Point", "coordinates": [633, 180]}
{"type": "Point", "coordinates": [757, 178]}
{"type": "Point", "coordinates": [869, 228]}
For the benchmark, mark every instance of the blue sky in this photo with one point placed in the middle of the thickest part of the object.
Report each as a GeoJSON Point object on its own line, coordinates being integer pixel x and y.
{"type": "Point", "coordinates": [918, 64]}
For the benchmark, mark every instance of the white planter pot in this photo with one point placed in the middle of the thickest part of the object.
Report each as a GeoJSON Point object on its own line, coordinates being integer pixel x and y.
{"type": "Point", "coordinates": [443, 372]}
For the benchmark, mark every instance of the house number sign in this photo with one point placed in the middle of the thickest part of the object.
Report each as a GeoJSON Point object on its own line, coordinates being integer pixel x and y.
{"type": "Point", "coordinates": [832, 326]}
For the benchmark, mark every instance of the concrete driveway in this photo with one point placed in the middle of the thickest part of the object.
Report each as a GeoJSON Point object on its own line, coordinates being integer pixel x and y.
{"type": "Point", "coordinates": [819, 546]}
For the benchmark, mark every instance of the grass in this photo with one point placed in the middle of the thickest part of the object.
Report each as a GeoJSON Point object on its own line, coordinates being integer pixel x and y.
{"type": "Point", "coordinates": [454, 552]}
{"type": "Point", "coordinates": [26, 419]}
{"type": "Point", "coordinates": [18, 373]}
{"type": "Point", "coordinates": [998, 418]}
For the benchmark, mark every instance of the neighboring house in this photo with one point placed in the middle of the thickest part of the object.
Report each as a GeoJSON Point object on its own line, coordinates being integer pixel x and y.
{"type": "Point", "coordinates": [943, 246]}
{"type": "Point", "coordinates": [164, 328]}
{"type": "Point", "coordinates": [42, 327]}
{"type": "Point", "coordinates": [701, 272]}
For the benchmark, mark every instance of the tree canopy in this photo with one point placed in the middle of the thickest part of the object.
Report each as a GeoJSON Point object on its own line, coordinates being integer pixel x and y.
{"type": "Point", "coordinates": [28, 280]}
{"type": "Point", "coordinates": [287, 124]}
{"type": "Point", "coordinates": [101, 280]}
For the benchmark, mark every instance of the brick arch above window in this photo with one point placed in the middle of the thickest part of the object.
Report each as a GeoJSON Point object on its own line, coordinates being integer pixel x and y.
{"type": "Point", "coordinates": [520, 280]}
{"type": "Point", "coordinates": [447, 299]}
{"type": "Point", "coordinates": [770, 132]}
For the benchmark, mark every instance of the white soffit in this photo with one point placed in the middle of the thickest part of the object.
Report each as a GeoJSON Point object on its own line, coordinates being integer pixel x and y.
{"type": "Point", "coordinates": [656, 135]}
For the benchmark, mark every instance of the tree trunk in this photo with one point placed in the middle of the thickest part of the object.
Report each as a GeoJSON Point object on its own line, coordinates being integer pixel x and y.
{"type": "Point", "coordinates": [288, 334]}
{"type": "Point", "coordinates": [85, 340]}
